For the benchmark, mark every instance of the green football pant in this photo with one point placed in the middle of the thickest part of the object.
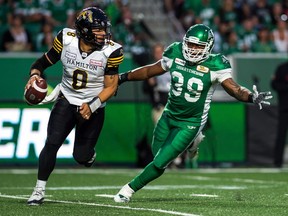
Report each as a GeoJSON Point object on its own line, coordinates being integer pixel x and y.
{"type": "Point", "coordinates": [170, 138]}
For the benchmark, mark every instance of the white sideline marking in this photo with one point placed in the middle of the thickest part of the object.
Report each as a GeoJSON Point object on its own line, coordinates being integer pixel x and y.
{"type": "Point", "coordinates": [29, 195]}
{"type": "Point", "coordinates": [200, 178]}
{"type": "Point", "coordinates": [73, 171]}
{"type": "Point", "coordinates": [252, 181]}
{"type": "Point", "coordinates": [148, 187]}
{"type": "Point", "coordinates": [104, 195]}
{"type": "Point", "coordinates": [109, 206]}
{"type": "Point", "coordinates": [241, 170]}
{"type": "Point", "coordinates": [204, 195]}
{"type": "Point", "coordinates": [171, 187]}
{"type": "Point", "coordinates": [133, 171]}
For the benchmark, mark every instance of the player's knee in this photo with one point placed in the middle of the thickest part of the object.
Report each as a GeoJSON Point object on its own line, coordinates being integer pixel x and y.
{"type": "Point", "coordinates": [80, 158]}
{"type": "Point", "coordinates": [162, 161]}
{"type": "Point", "coordinates": [49, 144]}
{"type": "Point", "coordinates": [158, 169]}
{"type": "Point", "coordinates": [160, 164]}
{"type": "Point", "coordinates": [84, 158]}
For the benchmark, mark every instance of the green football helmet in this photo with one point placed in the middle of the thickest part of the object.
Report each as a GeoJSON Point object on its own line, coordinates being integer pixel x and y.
{"type": "Point", "coordinates": [197, 43]}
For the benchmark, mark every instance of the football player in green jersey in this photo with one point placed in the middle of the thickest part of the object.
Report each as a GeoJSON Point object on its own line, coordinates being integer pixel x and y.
{"type": "Point", "coordinates": [195, 73]}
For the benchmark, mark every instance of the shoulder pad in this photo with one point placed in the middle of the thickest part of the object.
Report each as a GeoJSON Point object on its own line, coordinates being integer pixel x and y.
{"type": "Point", "coordinates": [172, 50]}
{"type": "Point", "coordinates": [217, 62]}
{"type": "Point", "coordinates": [111, 47]}
{"type": "Point", "coordinates": [116, 57]}
{"type": "Point", "coordinates": [68, 35]}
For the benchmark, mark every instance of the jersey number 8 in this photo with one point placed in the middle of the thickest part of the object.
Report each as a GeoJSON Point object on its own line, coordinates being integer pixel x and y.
{"type": "Point", "coordinates": [79, 79]}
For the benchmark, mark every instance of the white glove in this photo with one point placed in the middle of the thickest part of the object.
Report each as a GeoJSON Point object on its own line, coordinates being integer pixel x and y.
{"type": "Point", "coordinates": [260, 97]}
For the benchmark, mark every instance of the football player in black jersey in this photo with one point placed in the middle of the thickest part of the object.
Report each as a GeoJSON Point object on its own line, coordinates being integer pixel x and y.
{"type": "Point", "coordinates": [90, 62]}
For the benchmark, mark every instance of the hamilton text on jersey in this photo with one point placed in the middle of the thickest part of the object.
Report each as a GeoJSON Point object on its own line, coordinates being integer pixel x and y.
{"type": "Point", "coordinates": [82, 64]}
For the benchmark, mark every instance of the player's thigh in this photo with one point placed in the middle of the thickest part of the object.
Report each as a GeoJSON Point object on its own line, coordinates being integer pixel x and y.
{"type": "Point", "coordinates": [160, 134]}
{"type": "Point", "coordinates": [88, 131]}
{"type": "Point", "coordinates": [182, 140]}
{"type": "Point", "coordinates": [177, 142]}
{"type": "Point", "coordinates": [61, 122]}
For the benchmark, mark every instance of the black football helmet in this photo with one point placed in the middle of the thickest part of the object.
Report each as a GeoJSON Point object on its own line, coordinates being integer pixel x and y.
{"type": "Point", "coordinates": [92, 18]}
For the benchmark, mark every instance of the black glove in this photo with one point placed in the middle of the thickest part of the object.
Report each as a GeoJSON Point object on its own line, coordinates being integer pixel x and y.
{"type": "Point", "coordinates": [261, 97]}
{"type": "Point", "coordinates": [123, 78]}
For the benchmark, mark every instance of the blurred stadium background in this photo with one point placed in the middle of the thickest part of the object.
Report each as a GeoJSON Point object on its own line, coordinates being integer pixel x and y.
{"type": "Point", "coordinates": [237, 134]}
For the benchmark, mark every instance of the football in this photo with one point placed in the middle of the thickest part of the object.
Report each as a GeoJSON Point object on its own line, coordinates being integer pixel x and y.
{"type": "Point", "coordinates": [36, 93]}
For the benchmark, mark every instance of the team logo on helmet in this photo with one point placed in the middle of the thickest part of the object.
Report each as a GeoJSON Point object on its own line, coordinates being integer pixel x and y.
{"type": "Point", "coordinates": [86, 15]}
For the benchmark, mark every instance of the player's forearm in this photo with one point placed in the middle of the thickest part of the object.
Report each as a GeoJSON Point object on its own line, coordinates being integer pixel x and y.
{"type": "Point", "coordinates": [134, 75]}
{"type": "Point", "coordinates": [104, 95]}
{"type": "Point", "coordinates": [235, 90]}
{"type": "Point", "coordinates": [142, 73]}
{"type": "Point", "coordinates": [107, 93]}
{"type": "Point", "coordinates": [243, 94]}
{"type": "Point", "coordinates": [138, 74]}
{"type": "Point", "coordinates": [146, 72]}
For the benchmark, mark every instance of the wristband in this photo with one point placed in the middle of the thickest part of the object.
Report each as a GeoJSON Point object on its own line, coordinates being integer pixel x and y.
{"type": "Point", "coordinates": [123, 78]}
{"type": "Point", "coordinates": [250, 98]}
{"type": "Point", "coordinates": [94, 104]}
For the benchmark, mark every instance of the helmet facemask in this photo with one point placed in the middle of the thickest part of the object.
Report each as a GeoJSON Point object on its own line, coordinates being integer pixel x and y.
{"type": "Point", "coordinates": [197, 43]}
{"type": "Point", "coordinates": [97, 40]}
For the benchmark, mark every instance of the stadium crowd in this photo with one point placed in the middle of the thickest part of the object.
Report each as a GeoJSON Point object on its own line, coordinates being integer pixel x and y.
{"type": "Point", "coordinates": [239, 25]}
{"type": "Point", "coordinates": [30, 25]}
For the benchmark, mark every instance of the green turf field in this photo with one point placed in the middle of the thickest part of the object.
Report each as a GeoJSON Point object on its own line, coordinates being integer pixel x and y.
{"type": "Point", "coordinates": [85, 192]}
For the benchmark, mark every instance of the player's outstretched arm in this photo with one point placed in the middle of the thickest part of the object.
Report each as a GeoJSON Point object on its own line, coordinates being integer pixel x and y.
{"type": "Point", "coordinates": [142, 73]}
{"type": "Point", "coordinates": [243, 94]}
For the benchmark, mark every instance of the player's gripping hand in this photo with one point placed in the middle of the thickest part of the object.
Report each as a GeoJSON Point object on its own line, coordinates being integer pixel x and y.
{"type": "Point", "coordinates": [260, 97]}
{"type": "Point", "coordinates": [85, 111]}
{"type": "Point", "coordinates": [31, 80]}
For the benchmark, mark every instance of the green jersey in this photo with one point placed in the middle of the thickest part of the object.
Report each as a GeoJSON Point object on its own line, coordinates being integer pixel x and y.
{"type": "Point", "coordinates": [192, 85]}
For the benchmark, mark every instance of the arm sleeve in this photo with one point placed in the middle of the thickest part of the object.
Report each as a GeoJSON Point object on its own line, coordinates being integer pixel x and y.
{"type": "Point", "coordinates": [51, 57]}
{"type": "Point", "coordinates": [114, 60]}
{"type": "Point", "coordinates": [54, 54]}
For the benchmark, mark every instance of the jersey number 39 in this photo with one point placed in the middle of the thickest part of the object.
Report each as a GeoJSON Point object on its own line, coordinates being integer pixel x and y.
{"type": "Point", "coordinates": [192, 95]}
